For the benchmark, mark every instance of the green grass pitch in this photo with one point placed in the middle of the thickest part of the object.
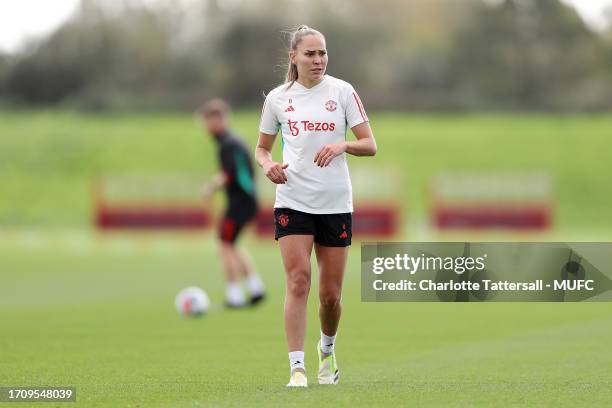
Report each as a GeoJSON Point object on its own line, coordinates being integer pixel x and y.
{"type": "Point", "coordinates": [97, 313]}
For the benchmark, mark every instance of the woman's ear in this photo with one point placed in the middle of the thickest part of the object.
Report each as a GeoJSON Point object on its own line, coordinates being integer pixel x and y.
{"type": "Point", "coordinates": [292, 56]}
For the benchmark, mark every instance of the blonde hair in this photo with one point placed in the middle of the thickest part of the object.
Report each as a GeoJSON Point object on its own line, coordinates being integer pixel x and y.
{"type": "Point", "coordinates": [296, 37]}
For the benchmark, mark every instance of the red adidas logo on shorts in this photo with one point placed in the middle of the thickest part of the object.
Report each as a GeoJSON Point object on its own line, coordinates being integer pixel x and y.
{"type": "Point", "coordinates": [344, 235]}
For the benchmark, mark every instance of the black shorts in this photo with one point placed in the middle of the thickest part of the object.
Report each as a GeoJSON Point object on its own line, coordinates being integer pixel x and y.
{"type": "Point", "coordinates": [332, 230]}
{"type": "Point", "coordinates": [235, 219]}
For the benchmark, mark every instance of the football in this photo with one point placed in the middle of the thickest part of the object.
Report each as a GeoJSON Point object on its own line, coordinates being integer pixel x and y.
{"type": "Point", "coordinates": [192, 302]}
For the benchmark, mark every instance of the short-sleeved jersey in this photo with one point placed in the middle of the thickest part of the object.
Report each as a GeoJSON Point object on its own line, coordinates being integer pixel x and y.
{"type": "Point", "coordinates": [308, 119]}
{"type": "Point", "coordinates": [236, 163]}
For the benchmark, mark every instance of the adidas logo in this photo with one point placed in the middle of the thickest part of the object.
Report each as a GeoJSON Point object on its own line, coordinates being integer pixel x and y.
{"type": "Point", "coordinates": [343, 235]}
{"type": "Point", "coordinates": [290, 109]}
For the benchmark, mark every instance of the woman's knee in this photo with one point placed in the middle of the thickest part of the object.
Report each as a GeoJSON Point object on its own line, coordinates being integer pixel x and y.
{"type": "Point", "coordinates": [330, 299]}
{"type": "Point", "coordinates": [298, 282]}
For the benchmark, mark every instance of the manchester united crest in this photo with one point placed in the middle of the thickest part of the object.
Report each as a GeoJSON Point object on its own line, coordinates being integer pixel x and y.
{"type": "Point", "coordinates": [331, 105]}
{"type": "Point", "coordinates": [283, 220]}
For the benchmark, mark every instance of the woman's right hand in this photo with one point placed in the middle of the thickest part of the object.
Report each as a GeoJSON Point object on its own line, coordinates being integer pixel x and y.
{"type": "Point", "coordinates": [275, 172]}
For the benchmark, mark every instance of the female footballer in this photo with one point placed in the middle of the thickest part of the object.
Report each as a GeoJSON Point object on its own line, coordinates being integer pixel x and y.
{"type": "Point", "coordinates": [314, 203]}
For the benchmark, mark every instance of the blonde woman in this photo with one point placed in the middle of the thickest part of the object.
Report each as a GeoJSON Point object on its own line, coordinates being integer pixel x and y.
{"type": "Point", "coordinates": [313, 207]}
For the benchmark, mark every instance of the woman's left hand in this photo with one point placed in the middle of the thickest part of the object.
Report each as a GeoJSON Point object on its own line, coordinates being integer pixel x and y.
{"type": "Point", "coordinates": [328, 152]}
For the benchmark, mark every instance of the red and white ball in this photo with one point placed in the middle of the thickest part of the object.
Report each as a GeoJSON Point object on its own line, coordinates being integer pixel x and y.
{"type": "Point", "coordinates": [192, 301]}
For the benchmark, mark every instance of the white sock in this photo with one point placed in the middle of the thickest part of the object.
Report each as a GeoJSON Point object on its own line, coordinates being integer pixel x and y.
{"type": "Point", "coordinates": [296, 360]}
{"type": "Point", "coordinates": [234, 295]}
{"type": "Point", "coordinates": [255, 284]}
{"type": "Point", "coordinates": [327, 343]}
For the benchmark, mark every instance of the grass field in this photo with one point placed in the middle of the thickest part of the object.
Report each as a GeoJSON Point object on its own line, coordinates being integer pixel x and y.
{"type": "Point", "coordinates": [95, 311]}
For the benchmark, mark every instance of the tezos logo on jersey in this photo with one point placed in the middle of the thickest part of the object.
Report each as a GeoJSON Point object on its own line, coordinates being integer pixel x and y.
{"type": "Point", "coordinates": [330, 105]}
{"type": "Point", "coordinates": [308, 126]}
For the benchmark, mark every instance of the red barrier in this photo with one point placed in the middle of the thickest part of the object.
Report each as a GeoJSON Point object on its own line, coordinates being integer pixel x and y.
{"type": "Point", "coordinates": [128, 213]}
{"type": "Point", "coordinates": [143, 217]}
{"type": "Point", "coordinates": [472, 200]}
{"type": "Point", "coordinates": [528, 216]}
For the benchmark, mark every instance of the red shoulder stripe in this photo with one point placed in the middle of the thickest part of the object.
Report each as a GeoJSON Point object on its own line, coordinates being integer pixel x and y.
{"type": "Point", "coordinates": [361, 110]}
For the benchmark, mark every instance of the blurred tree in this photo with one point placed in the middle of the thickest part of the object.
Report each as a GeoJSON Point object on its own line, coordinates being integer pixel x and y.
{"type": "Point", "coordinates": [417, 54]}
{"type": "Point", "coordinates": [4, 72]}
{"type": "Point", "coordinates": [525, 54]}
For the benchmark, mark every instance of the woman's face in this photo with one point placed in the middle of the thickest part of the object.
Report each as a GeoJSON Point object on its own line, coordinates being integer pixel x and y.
{"type": "Point", "coordinates": [310, 58]}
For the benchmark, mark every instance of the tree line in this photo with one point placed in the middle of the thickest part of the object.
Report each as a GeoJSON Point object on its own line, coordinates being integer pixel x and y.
{"type": "Point", "coordinates": [450, 55]}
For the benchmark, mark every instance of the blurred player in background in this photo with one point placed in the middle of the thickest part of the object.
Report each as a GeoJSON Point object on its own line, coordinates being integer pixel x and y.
{"type": "Point", "coordinates": [314, 204]}
{"type": "Point", "coordinates": [237, 177]}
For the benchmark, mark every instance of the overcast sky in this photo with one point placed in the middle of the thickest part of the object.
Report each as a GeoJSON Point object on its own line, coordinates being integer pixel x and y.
{"type": "Point", "coordinates": [17, 22]}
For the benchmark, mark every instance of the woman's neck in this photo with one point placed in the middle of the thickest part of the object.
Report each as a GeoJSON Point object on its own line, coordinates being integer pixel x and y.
{"type": "Point", "coordinates": [308, 83]}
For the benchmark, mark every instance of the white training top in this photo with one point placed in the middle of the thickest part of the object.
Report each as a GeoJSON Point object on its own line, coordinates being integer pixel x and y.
{"type": "Point", "coordinates": [310, 118]}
